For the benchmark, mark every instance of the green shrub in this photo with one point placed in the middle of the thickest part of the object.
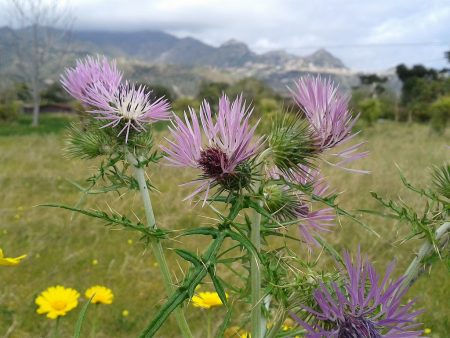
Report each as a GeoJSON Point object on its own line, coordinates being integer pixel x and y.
{"type": "Point", "coordinates": [440, 113]}
{"type": "Point", "coordinates": [181, 105]}
{"type": "Point", "coordinates": [10, 111]}
{"type": "Point", "coordinates": [370, 110]}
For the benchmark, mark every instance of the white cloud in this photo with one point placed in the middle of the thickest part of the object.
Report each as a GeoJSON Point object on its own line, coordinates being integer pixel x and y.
{"type": "Point", "coordinates": [295, 25]}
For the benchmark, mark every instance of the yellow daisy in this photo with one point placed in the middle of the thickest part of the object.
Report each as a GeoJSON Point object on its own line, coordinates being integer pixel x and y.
{"type": "Point", "coordinates": [100, 294]}
{"type": "Point", "coordinates": [9, 261]}
{"type": "Point", "coordinates": [57, 301]}
{"type": "Point", "coordinates": [206, 300]}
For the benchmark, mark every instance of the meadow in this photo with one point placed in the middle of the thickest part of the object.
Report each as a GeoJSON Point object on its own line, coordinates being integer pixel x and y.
{"type": "Point", "coordinates": [76, 251]}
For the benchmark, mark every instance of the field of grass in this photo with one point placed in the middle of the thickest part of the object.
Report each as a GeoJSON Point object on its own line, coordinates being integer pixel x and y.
{"type": "Point", "coordinates": [76, 251]}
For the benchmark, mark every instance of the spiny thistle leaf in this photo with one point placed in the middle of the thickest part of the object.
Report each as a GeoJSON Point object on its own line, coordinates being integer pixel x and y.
{"type": "Point", "coordinates": [116, 219]}
{"type": "Point", "coordinates": [441, 180]}
{"type": "Point", "coordinates": [329, 248]}
{"type": "Point", "coordinates": [217, 285]}
{"type": "Point", "coordinates": [188, 256]}
{"type": "Point", "coordinates": [194, 276]}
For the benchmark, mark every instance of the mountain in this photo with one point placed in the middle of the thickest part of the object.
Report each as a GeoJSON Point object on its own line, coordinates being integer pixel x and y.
{"type": "Point", "coordinates": [152, 54]}
{"type": "Point", "coordinates": [324, 59]}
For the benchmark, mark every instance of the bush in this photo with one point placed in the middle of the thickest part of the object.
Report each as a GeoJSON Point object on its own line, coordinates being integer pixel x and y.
{"type": "Point", "coordinates": [181, 104]}
{"type": "Point", "coordinates": [54, 93]}
{"type": "Point", "coordinates": [370, 110]}
{"type": "Point", "coordinates": [440, 113]}
{"type": "Point", "coordinates": [158, 91]}
{"type": "Point", "coordinates": [10, 111]}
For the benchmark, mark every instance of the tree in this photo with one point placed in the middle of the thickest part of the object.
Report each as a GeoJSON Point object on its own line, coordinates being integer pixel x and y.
{"type": "Point", "coordinates": [375, 83]}
{"type": "Point", "coordinates": [440, 114]}
{"type": "Point", "coordinates": [421, 86]}
{"type": "Point", "coordinates": [157, 91]}
{"type": "Point", "coordinates": [41, 30]}
{"type": "Point", "coordinates": [211, 91]}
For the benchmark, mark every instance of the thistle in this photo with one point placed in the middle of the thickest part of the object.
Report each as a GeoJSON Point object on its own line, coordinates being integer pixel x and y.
{"type": "Point", "coordinates": [330, 119]}
{"type": "Point", "coordinates": [88, 73]}
{"type": "Point", "coordinates": [223, 157]}
{"type": "Point", "coordinates": [129, 108]}
{"type": "Point", "coordinates": [97, 84]}
{"type": "Point", "coordinates": [365, 307]}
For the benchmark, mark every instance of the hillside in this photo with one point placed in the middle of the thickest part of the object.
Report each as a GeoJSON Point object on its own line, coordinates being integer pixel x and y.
{"type": "Point", "coordinates": [182, 63]}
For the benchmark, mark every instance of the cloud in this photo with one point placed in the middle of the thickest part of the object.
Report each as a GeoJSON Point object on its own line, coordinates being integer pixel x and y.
{"type": "Point", "coordinates": [357, 31]}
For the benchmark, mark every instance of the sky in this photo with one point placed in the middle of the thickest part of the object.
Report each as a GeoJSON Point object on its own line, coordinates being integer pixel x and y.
{"type": "Point", "coordinates": [368, 35]}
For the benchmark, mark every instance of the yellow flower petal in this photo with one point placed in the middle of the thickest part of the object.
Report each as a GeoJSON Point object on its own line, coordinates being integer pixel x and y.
{"type": "Point", "coordinates": [56, 301]}
{"type": "Point", "coordinates": [206, 300]}
{"type": "Point", "coordinates": [10, 261]}
{"type": "Point", "coordinates": [100, 295]}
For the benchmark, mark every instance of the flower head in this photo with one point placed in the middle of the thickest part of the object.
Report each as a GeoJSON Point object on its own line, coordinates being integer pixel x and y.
{"type": "Point", "coordinates": [221, 151]}
{"type": "Point", "coordinates": [10, 261]}
{"type": "Point", "coordinates": [90, 72]}
{"type": "Point", "coordinates": [97, 83]}
{"type": "Point", "coordinates": [327, 111]}
{"type": "Point", "coordinates": [56, 301]}
{"type": "Point", "coordinates": [206, 300]}
{"type": "Point", "coordinates": [366, 306]}
{"type": "Point", "coordinates": [289, 204]}
{"type": "Point", "coordinates": [128, 108]}
{"type": "Point", "coordinates": [99, 295]}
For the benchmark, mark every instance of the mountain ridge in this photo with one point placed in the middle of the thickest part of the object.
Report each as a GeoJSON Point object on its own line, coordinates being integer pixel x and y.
{"type": "Point", "coordinates": [186, 62]}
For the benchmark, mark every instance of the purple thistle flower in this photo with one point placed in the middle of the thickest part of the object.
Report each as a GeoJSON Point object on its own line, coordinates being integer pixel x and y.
{"type": "Point", "coordinates": [329, 116]}
{"type": "Point", "coordinates": [129, 107]}
{"type": "Point", "coordinates": [97, 83]}
{"type": "Point", "coordinates": [366, 307]}
{"type": "Point", "coordinates": [76, 81]}
{"type": "Point", "coordinates": [227, 145]}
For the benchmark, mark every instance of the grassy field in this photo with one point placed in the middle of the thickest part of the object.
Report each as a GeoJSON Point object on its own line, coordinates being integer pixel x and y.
{"type": "Point", "coordinates": [79, 252]}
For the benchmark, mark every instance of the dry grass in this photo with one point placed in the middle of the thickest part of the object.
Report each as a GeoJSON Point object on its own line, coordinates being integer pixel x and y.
{"type": "Point", "coordinates": [60, 250]}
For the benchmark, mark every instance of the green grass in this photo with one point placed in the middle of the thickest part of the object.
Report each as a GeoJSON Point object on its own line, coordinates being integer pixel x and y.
{"type": "Point", "coordinates": [49, 124]}
{"type": "Point", "coordinates": [61, 247]}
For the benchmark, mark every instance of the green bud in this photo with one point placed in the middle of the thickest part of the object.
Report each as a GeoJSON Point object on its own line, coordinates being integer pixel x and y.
{"type": "Point", "coordinates": [281, 201]}
{"type": "Point", "coordinates": [89, 143]}
{"type": "Point", "coordinates": [292, 143]}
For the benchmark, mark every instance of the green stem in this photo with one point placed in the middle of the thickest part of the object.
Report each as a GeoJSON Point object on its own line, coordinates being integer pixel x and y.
{"type": "Point", "coordinates": [416, 267]}
{"type": "Point", "coordinates": [255, 278]}
{"type": "Point", "coordinates": [157, 248]}
{"type": "Point", "coordinates": [208, 324]}
{"type": "Point", "coordinates": [255, 270]}
{"type": "Point", "coordinates": [94, 321]}
{"type": "Point", "coordinates": [56, 330]}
